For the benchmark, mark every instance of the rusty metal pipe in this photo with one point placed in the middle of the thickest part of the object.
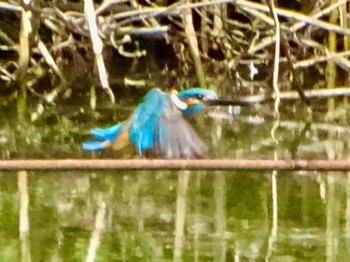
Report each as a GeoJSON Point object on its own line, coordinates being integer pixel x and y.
{"type": "Point", "coordinates": [175, 164]}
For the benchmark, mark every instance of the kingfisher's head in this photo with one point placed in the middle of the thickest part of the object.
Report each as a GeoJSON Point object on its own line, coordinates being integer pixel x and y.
{"type": "Point", "coordinates": [194, 99]}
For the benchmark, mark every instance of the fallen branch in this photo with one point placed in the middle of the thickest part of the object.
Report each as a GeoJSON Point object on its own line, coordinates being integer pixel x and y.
{"type": "Point", "coordinates": [287, 95]}
{"type": "Point", "coordinates": [193, 44]}
{"type": "Point", "coordinates": [276, 64]}
{"type": "Point", "coordinates": [319, 59]}
{"type": "Point", "coordinates": [175, 164]}
{"type": "Point", "coordinates": [10, 7]}
{"type": "Point", "coordinates": [49, 59]}
{"type": "Point", "coordinates": [24, 42]}
{"type": "Point", "coordinates": [97, 46]}
{"type": "Point", "coordinates": [297, 26]}
{"type": "Point", "coordinates": [294, 15]}
{"type": "Point", "coordinates": [259, 120]}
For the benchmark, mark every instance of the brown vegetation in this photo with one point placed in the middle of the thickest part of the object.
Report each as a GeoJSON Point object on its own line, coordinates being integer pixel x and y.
{"type": "Point", "coordinates": [51, 49]}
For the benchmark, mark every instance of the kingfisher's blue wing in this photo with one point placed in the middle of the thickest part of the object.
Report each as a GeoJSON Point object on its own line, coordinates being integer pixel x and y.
{"type": "Point", "coordinates": [175, 138]}
{"type": "Point", "coordinates": [145, 120]}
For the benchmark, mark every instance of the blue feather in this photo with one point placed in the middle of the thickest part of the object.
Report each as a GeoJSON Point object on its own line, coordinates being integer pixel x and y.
{"type": "Point", "coordinates": [93, 146]}
{"type": "Point", "coordinates": [145, 120]}
{"type": "Point", "coordinates": [110, 133]}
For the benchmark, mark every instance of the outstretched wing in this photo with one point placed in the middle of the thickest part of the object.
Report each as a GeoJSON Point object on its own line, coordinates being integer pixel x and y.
{"type": "Point", "coordinates": [145, 120]}
{"type": "Point", "coordinates": [174, 137]}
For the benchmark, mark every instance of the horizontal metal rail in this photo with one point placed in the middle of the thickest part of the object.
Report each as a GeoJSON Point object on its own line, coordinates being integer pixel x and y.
{"type": "Point", "coordinates": [174, 164]}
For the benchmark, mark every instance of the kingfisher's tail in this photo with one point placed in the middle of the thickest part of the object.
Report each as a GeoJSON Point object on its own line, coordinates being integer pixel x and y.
{"type": "Point", "coordinates": [107, 135]}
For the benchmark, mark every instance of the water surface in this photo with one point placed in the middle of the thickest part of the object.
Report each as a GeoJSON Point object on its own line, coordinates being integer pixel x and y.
{"type": "Point", "coordinates": [170, 215]}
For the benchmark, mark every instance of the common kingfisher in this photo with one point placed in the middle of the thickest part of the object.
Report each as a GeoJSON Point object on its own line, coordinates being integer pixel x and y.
{"type": "Point", "coordinates": [157, 128]}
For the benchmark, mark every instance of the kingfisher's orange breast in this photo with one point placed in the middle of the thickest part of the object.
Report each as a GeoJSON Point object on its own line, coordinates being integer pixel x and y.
{"type": "Point", "coordinates": [122, 140]}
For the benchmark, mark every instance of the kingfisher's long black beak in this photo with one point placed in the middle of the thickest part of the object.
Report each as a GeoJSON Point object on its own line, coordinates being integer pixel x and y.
{"type": "Point", "coordinates": [227, 102]}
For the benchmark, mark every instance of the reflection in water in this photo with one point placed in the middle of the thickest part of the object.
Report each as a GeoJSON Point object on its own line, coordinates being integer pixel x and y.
{"type": "Point", "coordinates": [333, 217]}
{"type": "Point", "coordinates": [23, 215]}
{"type": "Point", "coordinates": [196, 222]}
{"type": "Point", "coordinates": [220, 217]}
{"type": "Point", "coordinates": [96, 233]}
{"type": "Point", "coordinates": [164, 216]}
{"type": "Point", "coordinates": [273, 235]}
{"type": "Point", "coordinates": [347, 213]}
{"type": "Point", "coordinates": [180, 214]}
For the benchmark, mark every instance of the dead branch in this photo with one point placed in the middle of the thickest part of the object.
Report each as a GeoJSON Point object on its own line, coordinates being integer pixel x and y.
{"type": "Point", "coordinates": [245, 46]}
{"type": "Point", "coordinates": [193, 43]}
{"type": "Point", "coordinates": [289, 96]}
{"type": "Point", "coordinates": [97, 47]}
{"type": "Point", "coordinates": [24, 42]}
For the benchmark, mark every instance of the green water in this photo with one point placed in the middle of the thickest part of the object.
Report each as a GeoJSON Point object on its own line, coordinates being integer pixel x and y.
{"type": "Point", "coordinates": [228, 216]}
{"type": "Point", "coordinates": [179, 216]}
